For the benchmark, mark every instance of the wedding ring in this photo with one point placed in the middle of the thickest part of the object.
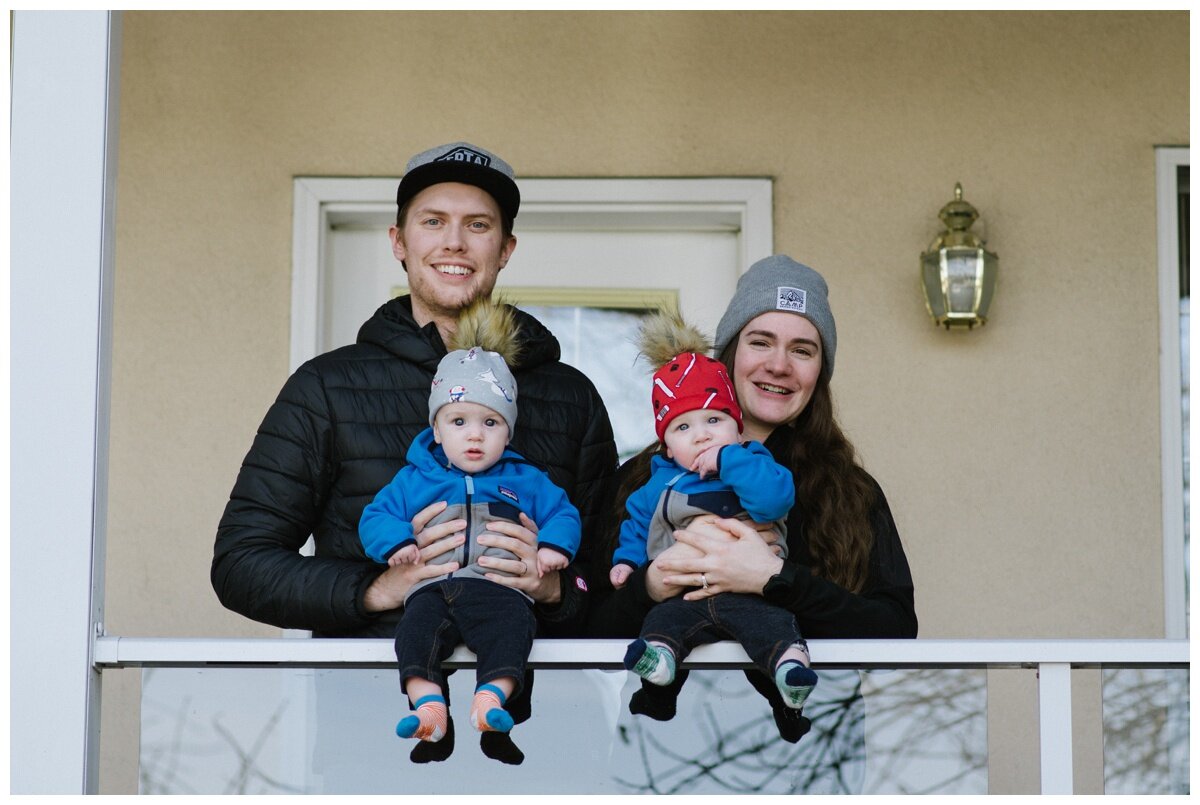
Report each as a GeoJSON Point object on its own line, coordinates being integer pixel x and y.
{"type": "Point", "coordinates": [703, 581]}
{"type": "Point", "coordinates": [524, 567]}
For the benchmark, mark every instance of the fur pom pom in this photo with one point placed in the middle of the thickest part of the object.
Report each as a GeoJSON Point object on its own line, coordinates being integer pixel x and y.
{"type": "Point", "coordinates": [665, 335]}
{"type": "Point", "coordinates": [491, 325]}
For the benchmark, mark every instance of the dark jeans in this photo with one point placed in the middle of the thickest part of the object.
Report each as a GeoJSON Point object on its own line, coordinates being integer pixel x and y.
{"type": "Point", "coordinates": [495, 622]}
{"type": "Point", "coordinates": [765, 631]}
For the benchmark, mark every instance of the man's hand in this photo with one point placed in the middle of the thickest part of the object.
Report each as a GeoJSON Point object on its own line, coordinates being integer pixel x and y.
{"type": "Point", "coordinates": [390, 588]}
{"type": "Point", "coordinates": [520, 573]}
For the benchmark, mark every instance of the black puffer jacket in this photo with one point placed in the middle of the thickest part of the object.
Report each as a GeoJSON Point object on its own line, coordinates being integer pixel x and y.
{"type": "Point", "coordinates": [339, 432]}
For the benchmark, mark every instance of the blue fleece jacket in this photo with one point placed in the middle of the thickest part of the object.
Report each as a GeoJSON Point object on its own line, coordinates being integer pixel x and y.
{"type": "Point", "coordinates": [512, 485]}
{"type": "Point", "coordinates": [748, 483]}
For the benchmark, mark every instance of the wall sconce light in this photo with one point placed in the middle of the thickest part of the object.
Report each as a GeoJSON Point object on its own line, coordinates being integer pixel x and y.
{"type": "Point", "coordinates": [957, 273]}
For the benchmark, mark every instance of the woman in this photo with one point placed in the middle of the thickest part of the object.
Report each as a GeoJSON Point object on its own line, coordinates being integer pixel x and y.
{"type": "Point", "coordinates": [846, 575]}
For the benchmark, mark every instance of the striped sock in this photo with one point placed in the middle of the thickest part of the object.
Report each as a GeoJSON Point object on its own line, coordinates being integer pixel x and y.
{"type": "Point", "coordinates": [795, 681]}
{"type": "Point", "coordinates": [655, 664]}
{"type": "Point", "coordinates": [428, 723]}
{"type": "Point", "coordinates": [487, 710]}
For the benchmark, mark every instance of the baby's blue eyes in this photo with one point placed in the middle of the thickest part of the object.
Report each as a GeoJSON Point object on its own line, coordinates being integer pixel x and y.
{"type": "Point", "coordinates": [712, 420]}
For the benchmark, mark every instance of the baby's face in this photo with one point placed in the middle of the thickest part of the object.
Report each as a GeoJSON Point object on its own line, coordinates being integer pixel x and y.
{"type": "Point", "coordinates": [693, 432]}
{"type": "Point", "coordinates": [473, 435]}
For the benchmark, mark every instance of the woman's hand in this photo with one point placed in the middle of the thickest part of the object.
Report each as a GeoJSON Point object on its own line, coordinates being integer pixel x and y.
{"type": "Point", "coordinates": [734, 558]}
{"type": "Point", "coordinates": [520, 540]}
{"type": "Point", "coordinates": [390, 588]}
{"type": "Point", "coordinates": [656, 586]}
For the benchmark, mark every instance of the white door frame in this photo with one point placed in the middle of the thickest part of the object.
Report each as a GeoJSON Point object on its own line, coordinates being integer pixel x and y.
{"type": "Point", "coordinates": [742, 204]}
{"type": "Point", "coordinates": [1171, 416]}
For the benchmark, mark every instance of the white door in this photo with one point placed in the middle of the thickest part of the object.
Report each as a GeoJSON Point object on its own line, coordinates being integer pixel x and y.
{"type": "Point", "coordinates": [588, 266]}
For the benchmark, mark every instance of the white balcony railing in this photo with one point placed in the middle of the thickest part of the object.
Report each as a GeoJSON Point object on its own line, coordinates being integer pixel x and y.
{"type": "Point", "coordinates": [1053, 660]}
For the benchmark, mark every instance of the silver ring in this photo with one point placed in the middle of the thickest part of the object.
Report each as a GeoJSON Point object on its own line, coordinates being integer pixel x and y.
{"type": "Point", "coordinates": [524, 567]}
{"type": "Point", "coordinates": [703, 581]}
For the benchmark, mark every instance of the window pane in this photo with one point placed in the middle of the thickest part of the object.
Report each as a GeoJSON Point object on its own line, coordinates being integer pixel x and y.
{"type": "Point", "coordinates": [1183, 192]}
{"type": "Point", "coordinates": [601, 343]}
{"type": "Point", "coordinates": [1146, 731]}
{"type": "Point", "coordinates": [1185, 349]}
{"type": "Point", "coordinates": [212, 731]}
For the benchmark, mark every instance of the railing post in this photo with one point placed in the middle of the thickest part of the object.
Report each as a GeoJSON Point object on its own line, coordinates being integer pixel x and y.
{"type": "Point", "coordinates": [1054, 711]}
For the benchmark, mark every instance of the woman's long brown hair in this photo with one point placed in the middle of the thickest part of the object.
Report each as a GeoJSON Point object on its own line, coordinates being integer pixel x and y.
{"type": "Point", "coordinates": [834, 494]}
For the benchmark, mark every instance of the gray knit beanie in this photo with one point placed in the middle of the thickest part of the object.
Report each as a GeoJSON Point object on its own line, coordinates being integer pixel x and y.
{"type": "Point", "coordinates": [477, 376]}
{"type": "Point", "coordinates": [780, 283]}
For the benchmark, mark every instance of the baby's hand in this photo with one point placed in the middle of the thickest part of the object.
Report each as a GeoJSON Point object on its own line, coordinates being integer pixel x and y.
{"type": "Point", "coordinates": [550, 559]}
{"type": "Point", "coordinates": [407, 555]}
{"type": "Point", "coordinates": [619, 575]}
{"type": "Point", "coordinates": [706, 463]}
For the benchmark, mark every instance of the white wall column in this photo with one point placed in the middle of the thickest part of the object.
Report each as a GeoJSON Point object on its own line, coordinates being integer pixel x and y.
{"type": "Point", "coordinates": [63, 168]}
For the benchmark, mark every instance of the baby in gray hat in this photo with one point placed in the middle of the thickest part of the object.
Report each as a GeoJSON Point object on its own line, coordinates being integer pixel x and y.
{"type": "Point", "coordinates": [463, 459]}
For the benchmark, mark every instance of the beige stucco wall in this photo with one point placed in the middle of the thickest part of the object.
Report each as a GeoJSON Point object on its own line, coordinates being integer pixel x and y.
{"type": "Point", "coordinates": [1021, 460]}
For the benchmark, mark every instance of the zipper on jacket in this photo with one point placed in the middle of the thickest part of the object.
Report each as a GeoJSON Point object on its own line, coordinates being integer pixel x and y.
{"type": "Point", "coordinates": [666, 498]}
{"type": "Point", "coordinates": [467, 544]}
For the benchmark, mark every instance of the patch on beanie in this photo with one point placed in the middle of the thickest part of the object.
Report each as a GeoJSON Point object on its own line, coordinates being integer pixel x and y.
{"type": "Point", "coordinates": [464, 154]}
{"type": "Point", "coordinates": [792, 299]}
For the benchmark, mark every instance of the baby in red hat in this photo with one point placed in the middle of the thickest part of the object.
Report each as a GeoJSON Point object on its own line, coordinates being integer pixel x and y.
{"type": "Point", "coordinates": [704, 467]}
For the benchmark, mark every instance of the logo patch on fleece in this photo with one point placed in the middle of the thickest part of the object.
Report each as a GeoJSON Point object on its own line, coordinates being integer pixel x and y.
{"type": "Point", "coordinates": [508, 493]}
{"type": "Point", "coordinates": [581, 584]}
{"type": "Point", "coordinates": [793, 299]}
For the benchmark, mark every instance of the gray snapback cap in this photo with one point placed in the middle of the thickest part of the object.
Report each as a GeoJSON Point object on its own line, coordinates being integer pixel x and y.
{"type": "Point", "coordinates": [465, 163]}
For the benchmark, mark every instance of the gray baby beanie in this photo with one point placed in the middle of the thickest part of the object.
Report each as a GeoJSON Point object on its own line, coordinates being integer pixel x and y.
{"type": "Point", "coordinates": [478, 376]}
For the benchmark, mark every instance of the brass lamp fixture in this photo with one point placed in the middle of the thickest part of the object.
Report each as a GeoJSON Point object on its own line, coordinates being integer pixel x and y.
{"type": "Point", "coordinates": [957, 273]}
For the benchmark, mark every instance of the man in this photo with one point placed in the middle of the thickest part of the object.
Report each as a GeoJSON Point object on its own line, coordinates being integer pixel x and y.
{"type": "Point", "coordinates": [342, 424]}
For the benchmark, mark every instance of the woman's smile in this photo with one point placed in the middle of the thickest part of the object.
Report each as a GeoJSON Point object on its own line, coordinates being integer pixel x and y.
{"type": "Point", "coordinates": [775, 370]}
